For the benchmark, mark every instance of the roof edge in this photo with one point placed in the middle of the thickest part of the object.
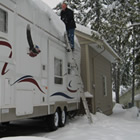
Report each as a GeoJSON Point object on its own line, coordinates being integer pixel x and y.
{"type": "Point", "coordinates": [87, 34]}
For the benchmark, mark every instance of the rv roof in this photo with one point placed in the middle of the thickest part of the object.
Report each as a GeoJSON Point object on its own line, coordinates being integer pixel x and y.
{"type": "Point", "coordinates": [14, 1]}
{"type": "Point", "coordinates": [40, 14]}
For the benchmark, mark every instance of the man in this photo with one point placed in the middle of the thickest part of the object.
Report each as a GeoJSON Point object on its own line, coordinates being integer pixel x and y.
{"type": "Point", "coordinates": [67, 17]}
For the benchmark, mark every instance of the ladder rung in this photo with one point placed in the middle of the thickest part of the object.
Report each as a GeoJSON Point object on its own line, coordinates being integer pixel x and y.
{"type": "Point", "coordinates": [82, 93]}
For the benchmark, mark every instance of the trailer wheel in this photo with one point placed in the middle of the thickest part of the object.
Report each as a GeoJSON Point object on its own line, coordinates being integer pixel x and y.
{"type": "Point", "coordinates": [63, 118]}
{"type": "Point", "coordinates": [53, 121]}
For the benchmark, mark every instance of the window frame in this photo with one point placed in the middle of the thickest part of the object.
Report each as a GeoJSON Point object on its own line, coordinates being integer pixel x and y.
{"type": "Point", "coordinates": [69, 68]}
{"type": "Point", "coordinates": [58, 79]}
{"type": "Point", "coordinates": [104, 80]}
{"type": "Point", "coordinates": [5, 29]}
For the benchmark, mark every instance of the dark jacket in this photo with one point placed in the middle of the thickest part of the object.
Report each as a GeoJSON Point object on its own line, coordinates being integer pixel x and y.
{"type": "Point", "coordinates": [67, 17]}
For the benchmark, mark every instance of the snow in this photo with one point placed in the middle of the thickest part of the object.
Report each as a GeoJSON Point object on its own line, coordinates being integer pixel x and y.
{"type": "Point", "coordinates": [88, 95]}
{"type": "Point", "coordinates": [137, 97]}
{"type": "Point", "coordinates": [55, 21]}
{"type": "Point", "coordinates": [114, 5]}
{"type": "Point", "coordinates": [86, 30]}
{"type": "Point", "coordinates": [53, 3]}
{"type": "Point", "coordinates": [113, 96]}
{"type": "Point", "coordinates": [123, 124]}
{"type": "Point", "coordinates": [100, 39]}
{"type": "Point", "coordinates": [127, 114]}
{"type": "Point", "coordinates": [24, 138]}
{"type": "Point", "coordinates": [132, 25]}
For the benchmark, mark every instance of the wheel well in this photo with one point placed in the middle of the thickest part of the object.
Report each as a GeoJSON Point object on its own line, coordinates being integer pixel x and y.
{"type": "Point", "coordinates": [61, 109]}
{"type": "Point", "coordinates": [65, 108]}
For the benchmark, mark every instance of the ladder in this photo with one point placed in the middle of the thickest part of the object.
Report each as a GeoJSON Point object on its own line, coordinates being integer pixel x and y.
{"type": "Point", "coordinates": [84, 101]}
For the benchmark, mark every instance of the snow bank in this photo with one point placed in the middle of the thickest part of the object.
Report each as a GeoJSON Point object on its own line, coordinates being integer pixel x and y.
{"type": "Point", "coordinates": [24, 138]}
{"type": "Point", "coordinates": [132, 113]}
{"type": "Point", "coordinates": [118, 108]}
{"type": "Point", "coordinates": [128, 114]}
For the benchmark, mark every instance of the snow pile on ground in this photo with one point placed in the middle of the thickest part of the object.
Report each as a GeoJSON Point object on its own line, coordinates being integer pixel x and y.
{"type": "Point", "coordinates": [24, 138]}
{"type": "Point", "coordinates": [128, 114]}
{"type": "Point", "coordinates": [121, 125]}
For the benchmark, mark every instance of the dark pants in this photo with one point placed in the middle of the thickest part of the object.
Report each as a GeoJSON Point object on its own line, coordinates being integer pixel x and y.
{"type": "Point", "coordinates": [70, 33]}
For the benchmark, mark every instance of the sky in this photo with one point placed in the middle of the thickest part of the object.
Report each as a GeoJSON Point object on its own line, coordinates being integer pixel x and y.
{"type": "Point", "coordinates": [52, 3]}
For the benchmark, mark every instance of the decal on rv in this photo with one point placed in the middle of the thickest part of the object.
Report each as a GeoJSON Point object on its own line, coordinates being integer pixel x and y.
{"type": "Point", "coordinates": [61, 94]}
{"type": "Point", "coordinates": [6, 44]}
{"type": "Point", "coordinates": [30, 79]}
{"type": "Point", "coordinates": [71, 90]}
{"type": "Point", "coordinates": [33, 49]}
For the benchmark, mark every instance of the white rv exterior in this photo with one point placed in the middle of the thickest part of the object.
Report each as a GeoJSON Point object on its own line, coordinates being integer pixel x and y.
{"type": "Point", "coordinates": [35, 83]}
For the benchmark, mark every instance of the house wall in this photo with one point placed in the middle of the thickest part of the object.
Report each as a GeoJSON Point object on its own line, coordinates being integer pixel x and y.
{"type": "Point", "coordinates": [93, 68]}
{"type": "Point", "coordinates": [137, 104]}
{"type": "Point", "coordinates": [126, 98]}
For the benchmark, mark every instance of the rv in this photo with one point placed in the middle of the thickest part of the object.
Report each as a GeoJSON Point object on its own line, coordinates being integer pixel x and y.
{"type": "Point", "coordinates": [38, 77]}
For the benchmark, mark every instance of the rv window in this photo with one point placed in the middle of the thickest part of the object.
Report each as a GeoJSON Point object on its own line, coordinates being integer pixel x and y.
{"type": "Point", "coordinates": [58, 79]}
{"type": "Point", "coordinates": [104, 85]}
{"type": "Point", "coordinates": [3, 21]}
{"type": "Point", "coordinates": [69, 68]}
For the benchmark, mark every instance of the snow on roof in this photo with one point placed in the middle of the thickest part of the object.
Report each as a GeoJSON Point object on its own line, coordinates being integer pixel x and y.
{"type": "Point", "coordinates": [137, 97]}
{"type": "Point", "coordinates": [88, 95]}
{"type": "Point", "coordinates": [40, 14]}
{"type": "Point", "coordinates": [86, 30]}
{"type": "Point", "coordinates": [53, 17]}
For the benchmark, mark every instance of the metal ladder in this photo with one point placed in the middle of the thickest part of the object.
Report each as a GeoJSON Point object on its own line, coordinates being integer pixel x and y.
{"type": "Point", "coordinates": [84, 101]}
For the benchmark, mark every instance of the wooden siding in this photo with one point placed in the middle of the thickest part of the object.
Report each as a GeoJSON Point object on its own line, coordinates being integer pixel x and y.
{"type": "Point", "coordinates": [93, 67]}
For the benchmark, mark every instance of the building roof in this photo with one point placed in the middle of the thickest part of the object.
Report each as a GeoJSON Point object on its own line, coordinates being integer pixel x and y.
{"type": "Point", "coordinates": [100, 45]}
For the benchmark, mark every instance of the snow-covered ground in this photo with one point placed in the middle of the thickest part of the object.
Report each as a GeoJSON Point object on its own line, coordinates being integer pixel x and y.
{"type": "Point", "coordinates": [24, 138]}
{"type": "Point", "coordinates": [123, 124]}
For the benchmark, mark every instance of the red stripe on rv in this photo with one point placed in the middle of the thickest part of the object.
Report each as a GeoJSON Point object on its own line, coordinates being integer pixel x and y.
{"type": "Point", "coordinates": [72, 90]}
{"type": "Point", "coordinates": [33, 82]}
{"type": "Point", "coordinates": [5, 65]}
{"type": "Point", "coordinates": [5, 44]}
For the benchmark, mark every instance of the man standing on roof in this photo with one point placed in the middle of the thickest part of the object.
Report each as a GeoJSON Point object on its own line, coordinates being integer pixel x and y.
{"type": "Point", "coordinates": [67, 17]}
